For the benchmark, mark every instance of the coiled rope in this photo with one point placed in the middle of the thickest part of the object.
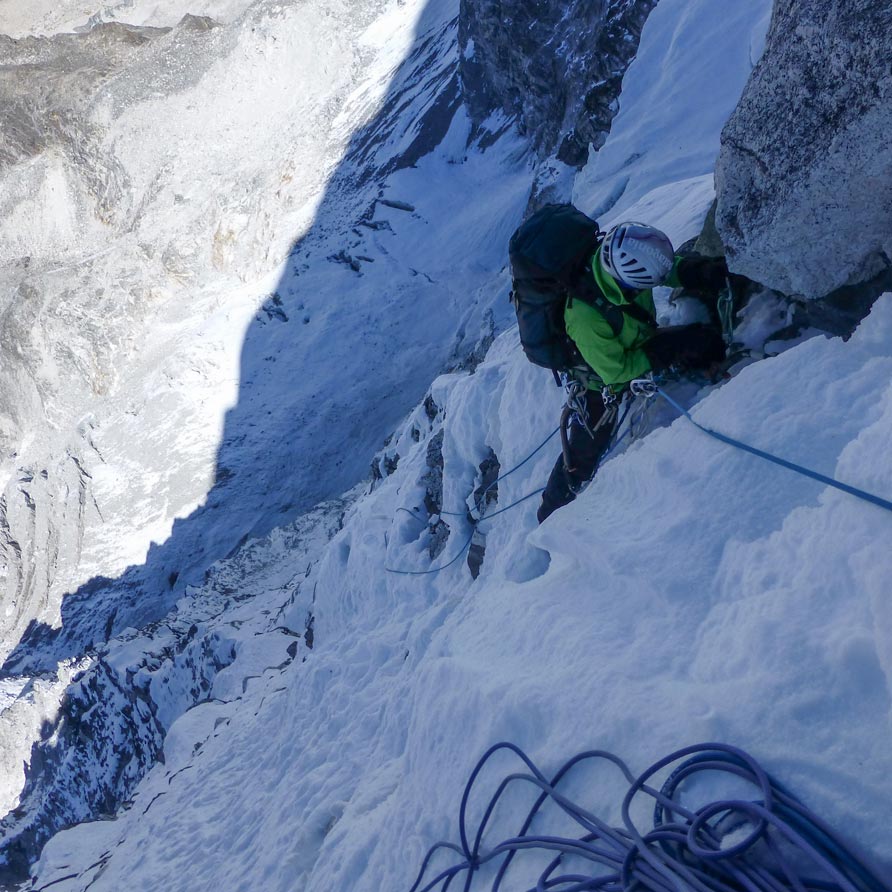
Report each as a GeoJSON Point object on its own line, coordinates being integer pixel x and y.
{"type": "Point", "coordinates": [772, 843]}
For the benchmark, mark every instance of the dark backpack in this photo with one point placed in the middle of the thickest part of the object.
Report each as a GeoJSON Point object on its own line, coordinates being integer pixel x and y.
{"type": "Point", "coordinates": [550, 257]}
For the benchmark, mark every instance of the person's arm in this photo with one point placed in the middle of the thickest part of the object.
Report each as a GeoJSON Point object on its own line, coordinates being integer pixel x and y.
{"type": "Point", "coordinates": [601, 349]}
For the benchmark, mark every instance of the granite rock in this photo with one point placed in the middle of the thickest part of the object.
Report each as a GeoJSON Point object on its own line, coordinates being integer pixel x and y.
{"type": "Point", "coordinates": [804, 178]}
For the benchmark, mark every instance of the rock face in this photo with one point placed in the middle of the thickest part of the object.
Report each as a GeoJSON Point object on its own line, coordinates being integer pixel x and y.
{"type": "Point", "coordinates": [121, 700]}
{"type": "Point", "coordinates": [804, 178]}
{"type": "Point", "coordinates": [555, 68]}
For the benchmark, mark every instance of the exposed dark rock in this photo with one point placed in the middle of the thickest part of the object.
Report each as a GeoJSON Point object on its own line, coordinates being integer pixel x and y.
{"type": "Point", "coordinates": [431, 409]}
{"type": "Point", "coordinates": [397, 205]}
{"type": "Point", "coordinates": [439, 533]}
{"type": "Point", "coordinates": [556, 69]}
{"type": "Point", "coordinates": [433, 495]}
{"type": "Point", "coordinates": [347, 260]}
{"type": "Point", "coordinates": [476, 553]}
{"type": "Point", "coordinates": [429, 69]}
{"type": "Point", "coordinates": [477, 353]}
{"type": "Point", "coordinates": [273, 310]}
{"type": "Point", "coordinates": [487, 493]}
{"type": "Point", "coordinates": [433, 477]}
{"type": "Point", "coordinates": [839, 313]}
{"type": "Point", "coordinates": [384, 465]}
{"type": "Point", "coordinates": [805, 174]}
{"type": "Point", "coordinates": [309, 634]}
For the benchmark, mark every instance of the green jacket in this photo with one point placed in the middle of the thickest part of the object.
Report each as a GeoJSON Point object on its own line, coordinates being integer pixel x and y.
{"type": "Point", "coordinates": [616, 359]}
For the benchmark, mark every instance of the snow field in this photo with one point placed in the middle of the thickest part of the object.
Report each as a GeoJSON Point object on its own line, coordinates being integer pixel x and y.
{"type": "Point", "coordinates": [691, 593]}
{"type": "Point", "coordinates": [692, 63]}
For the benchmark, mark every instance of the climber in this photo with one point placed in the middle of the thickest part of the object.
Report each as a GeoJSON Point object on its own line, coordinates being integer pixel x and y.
{"type": "Point", "coordinates": [628, 263]}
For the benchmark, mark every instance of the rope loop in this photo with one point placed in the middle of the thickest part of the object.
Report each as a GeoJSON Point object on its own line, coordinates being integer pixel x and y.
{"type": "Point", "coordinates": [786, 849]}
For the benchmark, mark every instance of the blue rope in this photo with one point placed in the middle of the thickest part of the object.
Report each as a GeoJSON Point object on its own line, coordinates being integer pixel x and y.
{"type": "Point", "coordinates": [805, 472]}
{"type": "Point", "coordinates": [467, 544]}
{"type": "Point", "coordinates": [730, 845]}
{"type": "Point", "coordinates": [501, 477]}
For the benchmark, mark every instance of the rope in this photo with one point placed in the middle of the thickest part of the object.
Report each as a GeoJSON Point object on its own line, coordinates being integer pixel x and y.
{"type": "Point", "coordinates": [792, 466]}
{"type": "Point", "coordinates": [470, 539]}
{"type": "Point", "coordinates": [730, 845]}
{"type": "Point", "coordinates": [467, 544]}
{"type": "Point", "coordinates": [616, 440]}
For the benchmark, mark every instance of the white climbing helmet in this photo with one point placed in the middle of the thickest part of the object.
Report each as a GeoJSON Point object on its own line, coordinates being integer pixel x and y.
{"type": "Point", "coordinates": [637, 256]}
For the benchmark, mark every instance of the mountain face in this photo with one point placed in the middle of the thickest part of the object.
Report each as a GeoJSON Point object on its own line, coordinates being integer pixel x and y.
{"type": "Point", "coordinates": [555, 69]}
{"type": "Point", "coordinates": [232, 657]}
{"type": "Point", "coordinates": [171, 200]}
{"type": "Point", "coordinates": [803, 178]}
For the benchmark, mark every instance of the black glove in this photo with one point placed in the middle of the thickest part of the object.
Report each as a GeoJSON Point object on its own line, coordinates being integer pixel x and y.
{"type": "Point", "coordinates": [696, 346]}
{"type": "Point", "coordinates": [703, 274]}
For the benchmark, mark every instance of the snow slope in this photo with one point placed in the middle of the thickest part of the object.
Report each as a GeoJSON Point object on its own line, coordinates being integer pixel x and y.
{"type": "Point", "coordinates": [691, 593]}
{"type": "Point", "coordinates": [199, 319]}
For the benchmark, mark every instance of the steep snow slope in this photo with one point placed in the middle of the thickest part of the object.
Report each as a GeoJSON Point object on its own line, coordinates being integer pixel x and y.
{"type": "Point", "coordinates": [691, 593]}
{"type": "Point", "coordinates": [189, 323]}
{"type": "Point", "coordinates": [193, 297]}
{"type": "Point", "coordinates": [673, 105]}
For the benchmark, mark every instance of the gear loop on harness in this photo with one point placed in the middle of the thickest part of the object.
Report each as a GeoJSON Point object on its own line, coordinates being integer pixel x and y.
{"type": "Point", "coordinates": [608, 397]}
{"type": "Point", "coordinates": [647, 387]}
{"type": "Point", "coordinates": [575, 410]}
{"type": "Point", "coordinates": [576, 402]}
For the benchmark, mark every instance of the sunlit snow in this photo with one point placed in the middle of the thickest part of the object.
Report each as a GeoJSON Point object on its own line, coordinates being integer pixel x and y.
{"type": "Point", "coordinates": [691, 593]}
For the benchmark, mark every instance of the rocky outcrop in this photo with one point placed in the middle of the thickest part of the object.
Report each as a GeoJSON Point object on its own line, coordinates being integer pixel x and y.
{"type": "Point", "coordinates": [556, 69]}
{"type": "Point", "coordinates": [117, 703]}
{"type": "Point", "coordinates": [804, 178]}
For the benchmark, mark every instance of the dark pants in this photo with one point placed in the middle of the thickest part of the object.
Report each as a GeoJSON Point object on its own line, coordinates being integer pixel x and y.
{"type": "Point", "coordinates": [687, 347]}
{"type": "Point", "coordinates": [585, 453]}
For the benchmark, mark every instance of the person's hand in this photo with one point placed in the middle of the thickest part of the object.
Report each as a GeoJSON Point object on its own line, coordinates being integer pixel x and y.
{"type": "Point", "coordinates": [704, 274]}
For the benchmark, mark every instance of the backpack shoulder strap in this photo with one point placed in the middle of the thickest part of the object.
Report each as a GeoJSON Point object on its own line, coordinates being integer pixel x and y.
{"type": "Point", "coordinates": [586, 290]}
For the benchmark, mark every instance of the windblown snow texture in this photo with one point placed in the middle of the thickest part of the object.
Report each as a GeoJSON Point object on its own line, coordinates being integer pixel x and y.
{"type": "Point", "coordinates": [304, 717]}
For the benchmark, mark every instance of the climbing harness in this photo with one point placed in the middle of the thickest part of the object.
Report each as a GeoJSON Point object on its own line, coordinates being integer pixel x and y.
{"type": "Point", "coordinates": [770, 843]}
{"type": "Point", "coordinates": [575, 410]}
{"type": "Point", "coordinates": [792, 466]}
